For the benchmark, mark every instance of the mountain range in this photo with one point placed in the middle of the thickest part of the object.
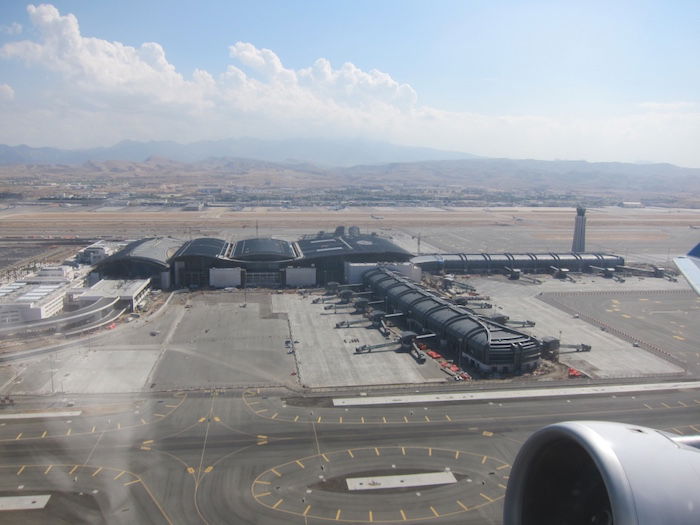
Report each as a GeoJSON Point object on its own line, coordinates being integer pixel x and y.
{"type": "Point", "coordinates": [321, 152]}
{"type": "Point", "coordinates": [316, 163]}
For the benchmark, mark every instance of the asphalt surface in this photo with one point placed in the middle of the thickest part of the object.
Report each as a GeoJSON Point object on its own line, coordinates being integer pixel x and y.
{"type": "Point", "coordinates": [265, 457]}
{"type": "Point", "coordinates": [662, 320]}
{"type": "Point", "coordinates": [249, 455]}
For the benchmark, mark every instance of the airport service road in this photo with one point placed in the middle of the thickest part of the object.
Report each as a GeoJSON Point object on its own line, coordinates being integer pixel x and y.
{"type": "Point", "coordinates": [223, 457]}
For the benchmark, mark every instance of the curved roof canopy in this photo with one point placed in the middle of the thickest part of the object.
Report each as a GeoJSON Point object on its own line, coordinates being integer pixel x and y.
{"type": "Point", "coordinates": [329, 245]}
{"type": "Point", "coordinates": [263, 250]}
{"type": "Point", "coordinates": [203, 247]}
{"type": "Point", "coordinates": [154, 250]}
{"type": "Point", "coordinates": [446, 319]}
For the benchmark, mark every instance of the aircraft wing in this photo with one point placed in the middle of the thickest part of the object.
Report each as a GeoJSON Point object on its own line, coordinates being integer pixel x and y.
{"type": "Point", "coordinates": [689, 265]}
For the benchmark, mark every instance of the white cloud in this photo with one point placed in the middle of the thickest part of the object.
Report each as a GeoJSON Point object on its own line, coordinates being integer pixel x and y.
{"type": "Point", "coordinates": [103, 91]}
{"type": "Point", "coordinates": [669, 106]}
{"type": "Point", "coordinates": [12, 29]}
{"type": "Point", "coordinates": [6, 92]}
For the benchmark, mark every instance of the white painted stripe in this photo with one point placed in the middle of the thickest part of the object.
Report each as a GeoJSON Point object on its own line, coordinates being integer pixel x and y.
{"type": "Point", "coordinates": [407, 480]}
{"type": "Point", "coordinates": [512, 394]}
{"type": "Point", "coordinates": [40, 415]}
{"type": "Point", "coordinates": [23, 502]}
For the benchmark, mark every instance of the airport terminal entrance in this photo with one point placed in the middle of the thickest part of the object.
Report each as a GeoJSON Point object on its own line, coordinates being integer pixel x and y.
{"type": "Point", "coordinates": [263, 279]}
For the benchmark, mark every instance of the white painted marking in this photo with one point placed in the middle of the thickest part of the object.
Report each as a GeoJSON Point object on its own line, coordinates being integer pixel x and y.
{"type": "Point", "coordinates": [40, 415]}
{"type": "Point", "coordinates": [512, 394]}
{"type": "Point", "coordinates": [23, 502]}
{"type": "Point", "coordinates": [406, 480]}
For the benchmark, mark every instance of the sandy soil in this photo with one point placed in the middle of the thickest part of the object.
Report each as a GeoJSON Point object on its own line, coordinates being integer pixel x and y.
{"type": "Point", "coordinates": [54, 221]}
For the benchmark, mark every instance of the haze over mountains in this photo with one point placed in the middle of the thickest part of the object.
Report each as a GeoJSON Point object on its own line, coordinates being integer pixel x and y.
{"type": "Point", "coordinates": [321, 152]}
{"type": "Point", "coordinates": [316, 163]}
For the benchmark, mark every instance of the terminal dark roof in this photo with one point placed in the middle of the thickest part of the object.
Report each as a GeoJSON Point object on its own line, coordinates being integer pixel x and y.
{"type": "Point", "coordinates": [330, 245]}
{"type": "Point", "coordinates": [154, 250]}
{"type": "Point", "coordinates": [203, 247]}
{"type": "Point", "coordinates": [488, 341]}
{"type": "Point", "coordinates": [486, 262]}
{"type": "Point", "coordinates": [263, 249]}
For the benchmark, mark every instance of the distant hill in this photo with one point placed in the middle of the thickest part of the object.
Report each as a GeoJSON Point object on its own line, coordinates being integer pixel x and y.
{"type": "Point", "coordinates": [563, 175]}
{"type": "Point", "coordinates": [315, 151]}
{"type": "Point", "coordinates": [625, 181]}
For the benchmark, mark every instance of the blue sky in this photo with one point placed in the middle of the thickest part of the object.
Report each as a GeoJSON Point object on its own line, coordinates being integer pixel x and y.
{"type": "Point", "coordinates": [547, 79]}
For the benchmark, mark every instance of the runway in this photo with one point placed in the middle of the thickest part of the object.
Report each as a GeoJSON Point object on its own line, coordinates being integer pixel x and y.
{"type": "Point", "coordinates": [265, 457]}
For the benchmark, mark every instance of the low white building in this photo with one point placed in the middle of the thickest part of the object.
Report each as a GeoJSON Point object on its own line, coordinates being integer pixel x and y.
{"type": "Point", "coordinates": [98, 251]}
{"type": "Point", "coordinates": [23, 301]}
{"type": "Point", "coordinates": [60, 272]}
{"type": "Point", "coordinates": [131, 292]}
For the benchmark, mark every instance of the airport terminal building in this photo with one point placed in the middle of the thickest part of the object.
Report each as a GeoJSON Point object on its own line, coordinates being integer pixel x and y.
{"type": "Point", "coordinates": [259, 262]}
{"type": "Point", "coordinates": [472, 340]}
{"type": "Point", "coordinates": [310, 261]}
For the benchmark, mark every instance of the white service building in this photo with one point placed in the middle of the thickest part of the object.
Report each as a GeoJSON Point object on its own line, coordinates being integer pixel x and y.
{"type": "Point", "coordinates": [22, 301]}
{"type": "Point", "coordinates": [98, 251]}
{"type": "Point", "coordinates": [131, 292]}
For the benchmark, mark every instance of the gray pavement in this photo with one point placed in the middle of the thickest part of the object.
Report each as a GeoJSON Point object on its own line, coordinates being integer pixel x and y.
{"type": "Point", "coordinates": [220, 340]}
{"type": "Point", "coordinates": [326, 355]}
{"type": "Point", "coordinates": [219, 458]}
{"type": "Point", "coordinates": [665, 321]}
{"type": "Point", "coordinates": [610, 356]}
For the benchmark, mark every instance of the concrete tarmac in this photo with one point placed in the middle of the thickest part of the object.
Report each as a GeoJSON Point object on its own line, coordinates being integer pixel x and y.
{"type": "Point", "coordinates": [264, 456]}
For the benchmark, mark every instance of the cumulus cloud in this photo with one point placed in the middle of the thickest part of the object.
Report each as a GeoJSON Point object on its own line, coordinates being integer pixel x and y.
{"type": "Point", "coordinates": [12, 29]}
{"type": "Point", "coordinates": [103, 91]}
{"type": "Point", "coordinates": [6, 92]}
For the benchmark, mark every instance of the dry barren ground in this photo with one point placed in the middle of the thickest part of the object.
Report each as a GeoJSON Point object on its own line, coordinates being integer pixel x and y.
{"type": "Point", "coordinates": [551, 221]}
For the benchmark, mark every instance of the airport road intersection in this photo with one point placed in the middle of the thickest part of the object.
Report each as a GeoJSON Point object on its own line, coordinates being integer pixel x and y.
{"type": "Point", "coordinates": [268, 457]}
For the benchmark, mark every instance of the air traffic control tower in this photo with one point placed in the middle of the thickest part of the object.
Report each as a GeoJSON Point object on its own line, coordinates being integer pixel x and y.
{"type": "Point", "coordinates": [579, 244]}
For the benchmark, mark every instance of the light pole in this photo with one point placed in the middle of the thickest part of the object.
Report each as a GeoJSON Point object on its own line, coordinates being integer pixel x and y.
{"type": "Point", "coordinates": [51, 367]}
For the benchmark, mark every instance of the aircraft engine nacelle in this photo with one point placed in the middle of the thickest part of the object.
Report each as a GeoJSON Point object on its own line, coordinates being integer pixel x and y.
{"type": "Point", "coordinates": [599, 473]}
